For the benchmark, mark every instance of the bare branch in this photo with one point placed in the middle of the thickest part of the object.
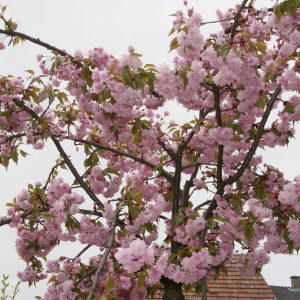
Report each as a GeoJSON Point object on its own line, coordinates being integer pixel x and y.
{"type": "Point", "coordinates": [83, 250]}
{"type": "Point", "coordinates": [37, 41]}
{"type": "Point", "coordinates": [203, 204]}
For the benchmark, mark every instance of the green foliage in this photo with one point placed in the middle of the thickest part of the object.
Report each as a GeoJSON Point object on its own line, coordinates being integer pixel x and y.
{"type": "Point", "coordinates": [5, 286]}
{"type": "Point", "coordinates": [289, 6]}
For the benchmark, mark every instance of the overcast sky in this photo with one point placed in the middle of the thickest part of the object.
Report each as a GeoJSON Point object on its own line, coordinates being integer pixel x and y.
{"type": "Point", "coordinates": [113, 25]}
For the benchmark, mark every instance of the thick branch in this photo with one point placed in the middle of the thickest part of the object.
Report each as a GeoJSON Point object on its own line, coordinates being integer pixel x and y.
{"type": "Point", "coordinates": [217, 106]}
{"type": "Point", "coordinates": [106, 252]}
{"type": "Point", "coordinates": [202, 114]}
{"type": "Point", "coordinates": [249, 155]}
{"type": "Point", "coordinates": [236, 20]}
{"type": "Point", "coordinates": [187, 186]}
{"type": "Point", "coordinates": [169, 151]}
{"type": "Point", "coordinates": [176, 189]}
{"type": "Point", "coordinates": [177, 180]}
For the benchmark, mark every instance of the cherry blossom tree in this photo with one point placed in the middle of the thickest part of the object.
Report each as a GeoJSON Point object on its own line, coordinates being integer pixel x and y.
{"type": "Point", "coordinates": [164, 205]}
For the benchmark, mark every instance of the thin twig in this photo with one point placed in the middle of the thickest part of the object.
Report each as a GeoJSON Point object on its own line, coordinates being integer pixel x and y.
{"type": "Point", "coordinates": [198, 165]}
{"type": "Point", "coordinates": [24, 215]}
{"type": "Point", "coordinates": [82, 251]}
{"type": "Point", "coordinates": [217, 21]}
{"type": "Point", "coordinates": [141, 160]}
{"type": "Point", "coordinates": [51, 173]}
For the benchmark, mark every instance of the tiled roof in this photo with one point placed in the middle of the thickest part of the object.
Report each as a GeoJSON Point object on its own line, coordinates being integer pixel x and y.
{"type": "Point", "coordinates": [286, 293]}
{"type": "Point", "coordinates": [234, 287]}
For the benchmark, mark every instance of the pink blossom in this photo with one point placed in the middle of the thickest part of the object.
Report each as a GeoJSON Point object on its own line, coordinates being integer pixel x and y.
{"type": "Point", "coordinates": [136, 256]}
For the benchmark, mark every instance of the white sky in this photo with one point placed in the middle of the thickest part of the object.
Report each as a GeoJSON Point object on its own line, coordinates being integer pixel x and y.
{"type": "Point", "coordinates": [113, 25]}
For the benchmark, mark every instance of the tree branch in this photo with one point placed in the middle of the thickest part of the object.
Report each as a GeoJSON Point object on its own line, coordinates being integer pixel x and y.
{"type": "Point", "coordinates": [187, 186]}
{"type": "Point", "coordinates": [251, 152]}
{"type": "Point", "coordinates": [236, 20]}
{"type": "Point", "coordinates": [217, 105]}
{"type": "Point", "coordinates": [198, 165]}
{"type": "Point", "coordinates": [202, 114]}
{"type": "Point", "coordinates": [107, 251]}
{"type": "Point", "coordinates": [256, 141]}
{"type": "Point", "coordinates": [37, 41]}
{"type": "Point", "coordinates": [24, 215]}
{"type": "Point", "coordinates": [65, 157]}
{"type": "Point", "coordinates": [82, 251]}
{"type": "Point", "coordinates": [176, 190]}
{"type": "Point", "coordinates": [51, 173]}
{"type": "Point", "coordinates": [164, 173]}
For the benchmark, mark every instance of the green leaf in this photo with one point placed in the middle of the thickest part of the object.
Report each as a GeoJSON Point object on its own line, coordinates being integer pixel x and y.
{"type": "Point", "coordinates": [260, 103]}
{"type": "Point", "coordinates": [288, 241]}
{"type": "Point", "coordinates": [289, 6]}
{"type": "Point", "coordinates": [174, 44]}
{"type": "Point", "coordinates": [127, 77]}
{"type": "Point", "coordinates": [224, 49]}
{"type": "Point", "coordinates": [105, 94]}
{"type": "Point", "coordinates": [249, 230]}
{"type": "Point", "coordinates": [262, 47]}
{"type": "Point", "coordinates": [141, 279]}
{"type": "Point", "coordinates": [30, 72]}
{"type": "Point", "coordinates": [289, 108]}
{"type": "Point", "coordinates": [172, 31]}
{"type": "Point", "coordinates": [23, 153]}
{"type": "Point", "coordinates": [3, 9]}
{"type": "Point", "coordinates": [110, 283]}
{"type": "Point", "coordinates": [150, 227]}
{"type": "Point", "coordinates": [15, 157]}
{"type": "Point", "coordinates": [136, 54]}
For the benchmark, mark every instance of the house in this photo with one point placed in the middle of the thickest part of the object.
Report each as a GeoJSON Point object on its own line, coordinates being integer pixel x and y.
{"type": "Point", "coordinates": [288, 293]}
{"type": "Point", "coordinates": [235, 287]}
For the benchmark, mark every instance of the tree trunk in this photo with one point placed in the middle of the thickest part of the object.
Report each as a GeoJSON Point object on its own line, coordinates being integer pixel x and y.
{"type": "Point", "coordinates": [203, 289]}
{"type": "Point", "coordinates": [172, 290]}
